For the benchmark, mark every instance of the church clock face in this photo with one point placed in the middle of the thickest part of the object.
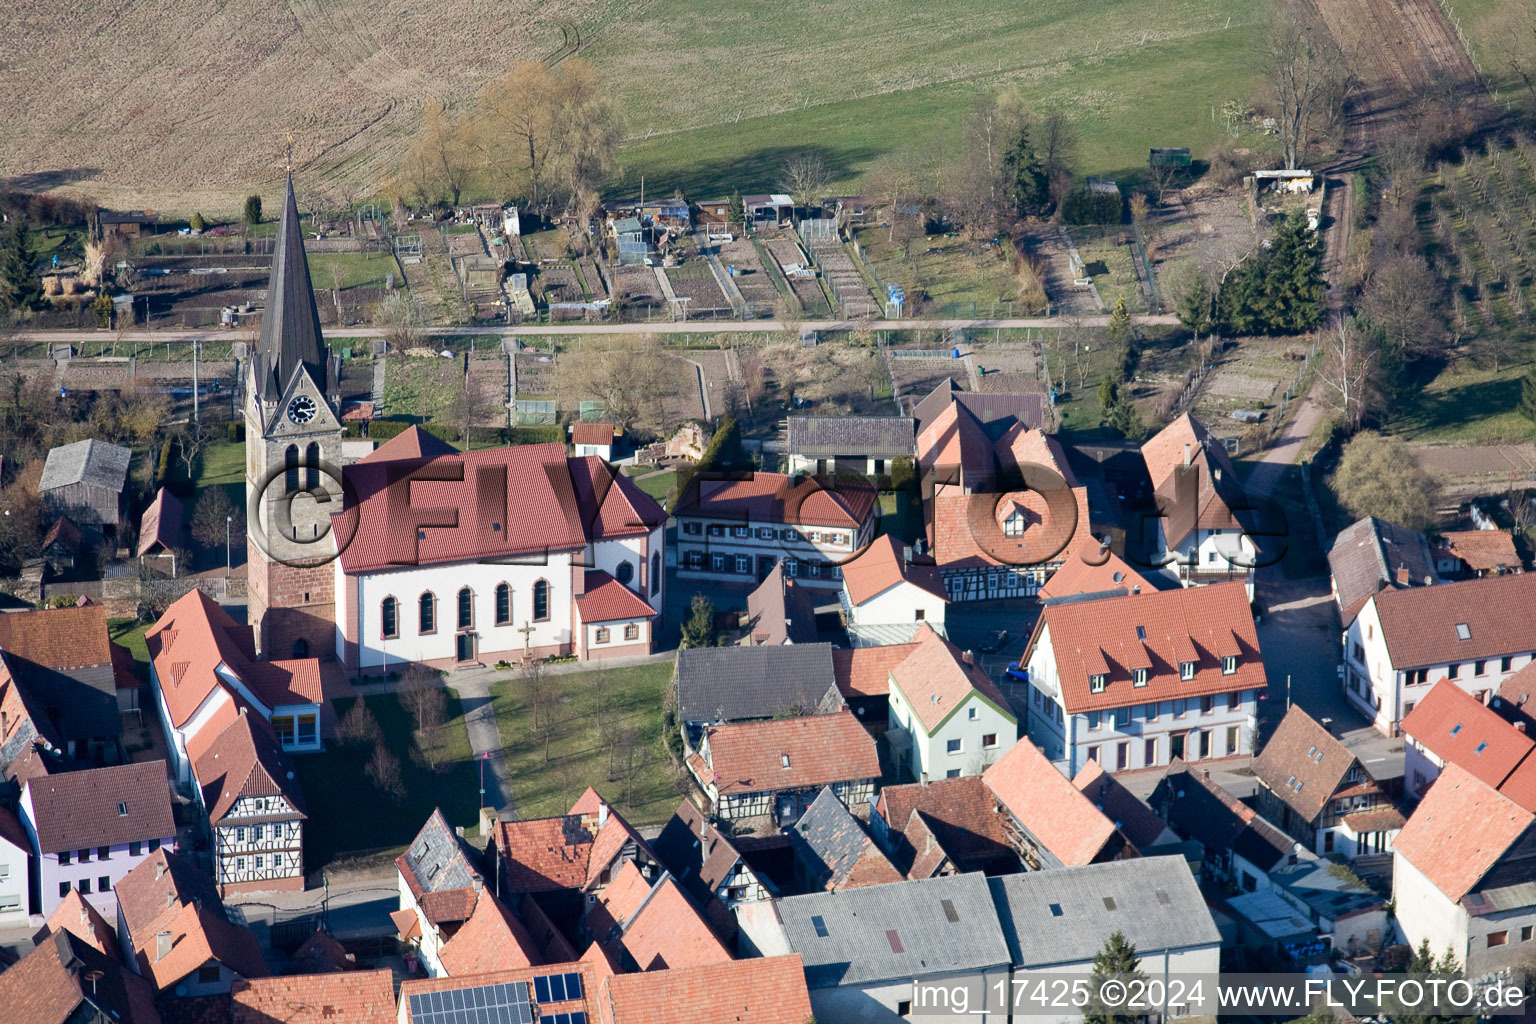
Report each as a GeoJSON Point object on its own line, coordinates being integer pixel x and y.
{"type": "Point", "coordinates": [302, 409]}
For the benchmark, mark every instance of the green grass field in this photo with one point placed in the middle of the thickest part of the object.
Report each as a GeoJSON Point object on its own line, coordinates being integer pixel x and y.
{"type": "Point", "coordinates": [578, 752]}
{"type": "Point", "coordinates": [871, 79]}
{"type": "Point", "coordinates": [1466, 404]}
{"type": "Point", "coordinates": [355, 819]}
{"type": "Point", "coordinates": [357, 269]}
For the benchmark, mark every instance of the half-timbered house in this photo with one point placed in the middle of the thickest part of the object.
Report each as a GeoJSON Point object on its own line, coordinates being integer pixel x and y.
{"type": "Point", "coordinates": [254, 809]}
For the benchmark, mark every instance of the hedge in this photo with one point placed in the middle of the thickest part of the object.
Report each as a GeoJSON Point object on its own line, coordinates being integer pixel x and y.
{"type": "Point", "coordinates": [1086, 207]}
{"type": "Point", "coordinates": [384, 430]}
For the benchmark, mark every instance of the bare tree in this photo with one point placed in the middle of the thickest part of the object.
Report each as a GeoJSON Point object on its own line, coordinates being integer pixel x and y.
{"type": "Point", "coordinates": [359, 726]}
{"type": "Point", "coordinates": [1308, 78]}
{"type": "Point", "coordinates": [1521, 506]}
{"type": "Point", "coordinates": [1402, 297]}
{"type": "Point", "coordinates": [805, 178]}
{"type": "Point", "coordinates": [1351, 372]}
{"type": "Point", "coordinates": [542, 697]}
{"type": "Point", "coordinates": [626, 375]}
{"type": "Point", "coordinates": [439, 160]}
{"type": "Point", "coordinates": [629, 747]}
{"type": "Point", "coordinates": [1401, 159]}
{"type": "Point", "coordinates": [514, 126]}
{"type": "Point", "coordinates": [400, 318]}
{"type": "Point", "coordinates": [383, 770]}
{"type": "Point", "coordinates": [212, 514]}
{"type": "Point", "coordinates": [421, 695]}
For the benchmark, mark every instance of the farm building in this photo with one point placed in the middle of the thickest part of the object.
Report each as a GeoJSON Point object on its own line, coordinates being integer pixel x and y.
{"type": "Point", "coordinates": [84, 481]}
{"type": "Point", "coordinates": [593, 439]}
{"type": "Point", "coordinates": [671, 213]}
{"type": "Point", "coordinates": [846, 209]}
{"type": "Point", "coordinates": [857, 444]}
{"type": "Point", "coordinates": [716, 211]}
{"type": "Point", "coordinates": [160, 531]}
{"type": "Point", "coordinates": [768, 209]}
{"type": "Point", "coordinates": [124, 224]}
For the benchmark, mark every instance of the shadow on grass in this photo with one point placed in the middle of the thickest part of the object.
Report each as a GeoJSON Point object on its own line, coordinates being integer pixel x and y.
{"type": "Point", "coordinates": [1459, 407]}
{"type": "Point", "coordinates": [761, 170]}
{"type": "Point", "coordinates": [348, 816]}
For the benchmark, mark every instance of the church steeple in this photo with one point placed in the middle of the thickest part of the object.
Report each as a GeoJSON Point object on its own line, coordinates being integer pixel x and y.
{"type": "Point", "coordinates": [290, 326]}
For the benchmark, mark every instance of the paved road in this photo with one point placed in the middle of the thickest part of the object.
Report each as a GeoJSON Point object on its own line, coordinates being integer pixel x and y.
{"type": "Point", "coordinates": [689, 327]}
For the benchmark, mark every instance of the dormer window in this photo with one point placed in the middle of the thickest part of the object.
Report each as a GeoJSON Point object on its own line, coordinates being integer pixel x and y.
{"type": "Point", "coordinates": [1186, 670]}
{"type": "Point", "coordinates": [1140, 677]}
{"type": "Point", "coordinates": [1463, 631]}
{"type": "Point", "coordinates": [1229, 664]}
{"type": "Point", "coordinates": [1096, 682]}
{"type": "Point", "coordinates": [1013, 526]}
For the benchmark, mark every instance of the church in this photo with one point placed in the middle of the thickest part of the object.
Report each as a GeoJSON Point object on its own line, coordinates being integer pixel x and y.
{"type": "Point", "coordinates": [420, 552]}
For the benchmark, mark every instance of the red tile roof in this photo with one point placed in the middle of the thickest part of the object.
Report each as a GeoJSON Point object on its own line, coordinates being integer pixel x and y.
{"type": "Point", "coordinates": [1091, 568]}
{"type": "Point", "coordinates": [1419, 623]}
{"type": "Point", "coordinates": [955, 445]}
{"type": "Point", "coordinates": [352, 997]}
{"type": "Point", "coordinates": [167, 893]}
{"type": "Point", "coordinates": [1482, 550]}
{"type": "Point", "coordinates": [866, 671]}
{"type": "Point", "coordinates": [102, 806]}
{"type": "Point", "coordinates": [749, 757]}
{"type": "Point", "coordinates": [968, 529]}
{"type": "Point", "coordinates": [608, 600]}
{"type": "Point", "coordinates": [1203, 623]}
{"type": "Point", "coordinates": [881, 566]}
{"type": "Point", "coordinates": [75, 915]}
{"type": "Point", "coordinates": [1046, 803]}
{"type": "Point", "coordinates": [656, 924]}
{"type": "Point", "coordinates": [777, 498]}
{"type": "Point", "coordinates": [161, 523]}
{"type": "Point", "coordinates": [1377, 819]}
{"type": "Point", "coordinates": [611, 504]}
{"type": "Point", "coordinates": [1303, 764]}
{"type": "Point", "coordinates": [935, 680]}
{"type": "Point", "coordinates": [592, 433]}
{"type": "Point", "coordinates": [48, 986]}
{"type": "Point", "coordinates": [568, 852]}
{"type": "Point", "coordinates": [1193, 479]}
{"type": "Point", "coordinates": [590, 980]}
{"type": "Point", "coordinates": [493, 939]}
{"type": "Point", "coordinates": [245, 760]}
{"type": "Point", "coordinates": [59, 638]}
{"type": "Point", "coordinates": [1459, 831]}
{"type": "Point", "coordinates": [960, 812]}
{"type": "Point", "coordinates": [762, 990]}
{"type": "Point", "coordinates": [410, 443]}
{"type": "Point", "coordinates": [504, 502]}
{"type": "Point", "coordinates": [1457, 727]}
{"type": "Point", "coordinates": [1133, 818]}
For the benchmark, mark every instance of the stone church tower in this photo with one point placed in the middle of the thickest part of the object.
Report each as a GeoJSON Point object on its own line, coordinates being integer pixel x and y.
{"type": "Point", "coordinates": [292, 461]}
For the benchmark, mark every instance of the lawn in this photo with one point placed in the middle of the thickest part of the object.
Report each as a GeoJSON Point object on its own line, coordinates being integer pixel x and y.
{"type": "Point", "coordinates": [954, 277]}
{"type": "Point", "coordinates": [421, 388]}
{"type": "Point", "coordinates": [890, 77]}
{"type": "Point", "coordinates": [579, 752]}
{"type": "Point", "coordinates": [1466, 404]}
{"type": "Point", "coordinates": [355, 269]}
{"type": "Point", "coordinates": [130, 633]}
{"type": "Point", "coordinates": [351, 818]}
{"type": "Point", "coordinates": [1108, 261]}
{"type": "Point", "coordinates": [658, 484]}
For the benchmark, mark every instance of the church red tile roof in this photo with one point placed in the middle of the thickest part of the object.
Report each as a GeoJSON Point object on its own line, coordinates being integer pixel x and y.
{"type": "Point", "coordinates": [608, 600]}
{"type": "Point", "coordinates": [762, 990]}
{"type": "Point", "coordinates": [750, 757]}
{"type": "Point", "coordinates": [410, 443]}
{"type": "Point", "coordinates": [1157, 631]}
{"type": "Point", "coordinates": [611, 504]}
{"type": "Point", "coordinates": [495, 502]}
{"type": "Point", "coordinates": [1046, 803]}
{"type": "Point", "coordinates": [1459, 831]}
{"type": "Point", "coordinates": [352, 997]}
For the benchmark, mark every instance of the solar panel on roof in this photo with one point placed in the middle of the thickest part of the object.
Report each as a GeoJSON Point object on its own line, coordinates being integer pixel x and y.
{"type": "Point", "coordinates": [479, 1004]}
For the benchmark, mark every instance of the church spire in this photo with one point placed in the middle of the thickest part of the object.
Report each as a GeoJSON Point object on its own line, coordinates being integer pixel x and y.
{"type": "Point", "coordinates": [290, 326]}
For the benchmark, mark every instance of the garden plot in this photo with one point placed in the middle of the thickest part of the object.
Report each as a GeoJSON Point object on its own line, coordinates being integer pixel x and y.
{"type": "Point", "coordinates": [596, 289]}
{"type": "Point", "coordinates": [786, 252]}
{"type": "Point", "coordinates": [1199, 230]}
{"type": "Point", "coordinates": [1011, 369]}
{"type": "Point", "coordinates": [914, 378]}
{"type": "Point", "coordinates": [556, 282]}
{"type": "Point", "coordinates": [424, 386]}
{"type": "Point", "coordinates": [535, 373]}
{"type": "Point", "coordinates": [721, 378]}
{"type": "Point", "coordinates": [1252, 376]}
{"type": "Point", "coordinates": [751, 278]}
{"type": "Point", "coordinates": [638, 287]}
{"type": "Point", "coordinates": [694, 281]}
{"type": "Point", "coordinates": [488, 384]}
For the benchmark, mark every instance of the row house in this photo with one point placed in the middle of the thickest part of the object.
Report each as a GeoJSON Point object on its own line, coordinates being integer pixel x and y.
{"type": "Point", "coordinates": [832, 851]}
{"type": "Point", "coordinates": [1462, 870]}
{"type": "Point", "coordinates": [717, 685]}
{"type": "Point", "coordinates": [710, 868]}
{"type": "Point", "coordinates": [66, 980]}
{"type": "Point", "coordinates": [735, 529]}
{"type": "Point", "coordinates": [944, 827]}
{"type": "Point", "coordinates": [773, 769]}
{"type": "Point", "coordinates": [1141, 680]}
{"type": "Point", "coordinates": [1476, 633]}
{"type": "Point", "coordinates": [1204, 529]}
{"type": "Point", "coordinates": [356, 997]}
{"type": "Point", "coordinates": [1321, 794]}
{"type": "Point", "coordinates": [647, 923]}
{"type": "Point", "coordinates": [89, 829]}
{"type": "Point", "coordinates": [1450, 726]}
{"type": "Point", "coordinates": [439, 881]}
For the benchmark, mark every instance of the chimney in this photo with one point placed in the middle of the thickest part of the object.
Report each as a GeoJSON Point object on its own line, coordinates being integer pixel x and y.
{"type": "Point", "coordinates": [476, 883]}
{"type": "Point", "coordinates": [1520, 726]}
{"type": "Point", "coordinates": [162, 944]}
{"type": "Point", "coordinates": [1404, 578]}
{"type": "Point", "coordinates": [969, 657]}
{"type": "Point", "coordinates": [1188, 453]}
{"type": "Point", "coordinates": [602, 814]}
{"type": "Point", "coordinates": [159, 870]}
{"type": "Point", "coordinates": [170, 900]}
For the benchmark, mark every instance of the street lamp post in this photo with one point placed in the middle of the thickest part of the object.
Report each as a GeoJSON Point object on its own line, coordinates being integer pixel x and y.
{"type": "Point", "coordinates": [228, 522]}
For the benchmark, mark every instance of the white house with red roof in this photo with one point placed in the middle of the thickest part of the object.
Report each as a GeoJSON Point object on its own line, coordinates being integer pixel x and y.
{"type": "Point", "coordinates": [736, 528]}
{"type": "Point", "coordinates": [1137, 681]}
{"type": "Point", "coordinates": [1476, 633]}
{"type": "Point", "coordinates": [1450, 726]}
{"type": "Point", "coordinates": [953, 718]}
{"type": "Point", "coordinates": [1203, 532]}
{"type": "Point", "coordinates": [451, 558]}
{"type": "Point", "coordinates": [883, 588]}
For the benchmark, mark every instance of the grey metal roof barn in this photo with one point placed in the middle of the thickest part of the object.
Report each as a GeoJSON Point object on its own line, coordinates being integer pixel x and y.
{"type": "Point", "coordinates": [896, 932]}
{"type": "Point", "coordinates": [86, 462]}
{"type": "Point", "coordinates": [732, 684]}
{"type": "Point", "coordinates": [1063, 916]}
{"type": "Point", "coordinates": [881, 437]}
